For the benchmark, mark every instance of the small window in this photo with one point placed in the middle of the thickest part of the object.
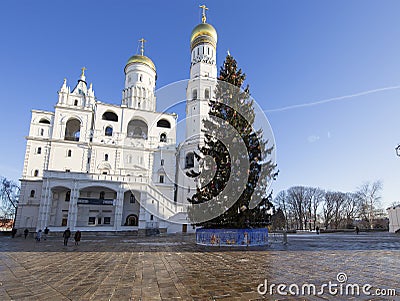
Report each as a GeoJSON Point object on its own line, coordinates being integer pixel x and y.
{"type": "Point", "coordinates": [163, 137]}
{"type": "Point", "coordinates": [44, 121]}
{"type": "Point", "coordinates": [36, 173]}
{"type": "Point", "coordinates": [132, 199]}
{"type": "Point", "coordinates": [107, 220]}
{"type": "Point", "coordinates": [188, 189]}
{"type": "Point", "coordinates": [92, 220]}
{"type": "Point", "coordinates": [99, 220]}
{"type": "Point", "coordinates": [75, 102]}
{"type": "Point", "coordinates": [102, 194]}
{"type": "Point", "coordinates": [189, 161]}
{"type": "Point", "coordinates": [41, 132]}
{"type": "Point", "coordinates": [161, 178]}
{"type": "Point", "coordinates": [140, 77]}
{"type": "Point", "coordinates": [68, 196]}
{"type": "Point", "coordinates": [105, 173]}
{"type": "Point", "coordinates": [162, 162]}
{"type": "Point", "coordinates": [194, 94]}
{"type": "Point", "coordinates": [32, 195]}
{"type": "Point", "coordinates": [69, 153]}
{"type": "Point", "coordinates": [108, 131]}
{"type": "Point", "coordinates": [110, 116]}
{"type": "Point", "coordinates": [162, 123]}
{"type": "Point", "coordinates": [207, 94]}
{"type": "Point", "coordinates": [39, 150]}
{"type": "Point", "coordinates": [151, 217]}
{"type": "Point", "coordinates": [106, 157]}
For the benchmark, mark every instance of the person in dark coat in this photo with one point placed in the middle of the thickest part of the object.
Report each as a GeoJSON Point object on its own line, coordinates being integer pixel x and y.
{"type": "Point", "coordinates": [13, 232]}
{"type": "Point", "coordinates": [26, 232]}
{"type": "Point", "coordinates": [66, 235]}
{"type": "Point", "coordinates": [77, 237]}
{"type": "Point", "coordinates": [45, 233]}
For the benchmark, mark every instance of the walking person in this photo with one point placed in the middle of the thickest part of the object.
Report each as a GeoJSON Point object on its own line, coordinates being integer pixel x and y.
{"type": "Point", "coordinates": [38, 235]}
{"type": "Point", "coordinates": [357, 230]}
{"type": "Point", "coordinates": [317, 229]}
{"type": "Point", "coordinates": [26, 232]}
{"type": "Point", "coordinates": [77, 237]}
{"type": "Point", "coordinates": [45, 232]}
{"type": "Point", "coordinates": [13, 232]}
{"type": "Point", "coordinates": [66, 235]}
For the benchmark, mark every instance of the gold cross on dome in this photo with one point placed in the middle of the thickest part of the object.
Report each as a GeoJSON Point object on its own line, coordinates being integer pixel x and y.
{"type": "Point", "coordinates": [142, 41]}
{"type": "Point", "coordinates": [203, 14]}
{"type": "Point", "coordinates": [83, 71]}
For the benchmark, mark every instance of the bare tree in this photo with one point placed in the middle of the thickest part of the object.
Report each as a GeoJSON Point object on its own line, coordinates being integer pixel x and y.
{"type": "Point", "coordinates": [297, 203]}
{"type": "Point", "coordinates": [9, 195]}
{"type": "Point", "coordinates": [281, 202]}
{"type": "Point", "coordinates": [368, 195]}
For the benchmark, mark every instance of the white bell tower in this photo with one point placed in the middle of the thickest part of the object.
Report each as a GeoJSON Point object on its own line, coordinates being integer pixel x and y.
{"type": "Point", "coordinates": [200, 89]}
{"type": "Point", "coordinates": [203, 76]}
{"type": "Point", "coordinates": [140, 82]}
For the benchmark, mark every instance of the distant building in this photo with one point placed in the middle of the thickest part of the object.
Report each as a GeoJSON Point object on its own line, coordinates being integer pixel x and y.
{"type": "Point", "coordinates": [394, 218]}
{"type": "Point", "coordinates": [96, 166]}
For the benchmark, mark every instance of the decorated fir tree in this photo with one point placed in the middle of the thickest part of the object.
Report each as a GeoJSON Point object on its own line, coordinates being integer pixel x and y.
{"type": "Point", "coordinates": [234, 160]}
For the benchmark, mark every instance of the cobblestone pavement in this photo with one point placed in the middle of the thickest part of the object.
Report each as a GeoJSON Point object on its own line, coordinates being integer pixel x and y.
{"type": "Point", "coordinates": [174, 268]}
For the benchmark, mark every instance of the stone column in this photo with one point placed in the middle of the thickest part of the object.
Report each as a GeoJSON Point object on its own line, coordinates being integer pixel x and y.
{"type": "Point", "coordinates": [142, 211]}
{"type": "Point", "coordinates": [44, 203]}
{"type": "Point", "coordinates": [119, 205]}
{"type": "Point", "coordinates": [73, 207]}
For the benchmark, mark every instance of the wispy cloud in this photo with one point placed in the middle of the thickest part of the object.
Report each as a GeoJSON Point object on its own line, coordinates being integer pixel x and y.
{"type": "Point", "coordinates": [323, 101]}
{"type": "Point", "coordinates": [313, 138]}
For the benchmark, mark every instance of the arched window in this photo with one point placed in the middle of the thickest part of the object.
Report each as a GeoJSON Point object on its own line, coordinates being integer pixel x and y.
{"type": "Point", "coordinates": [39, 150]}
{"type": "Point", "coordinates": [189, 161]}
{"type": "Point", "coordinates": [163, 137]}
{"type": "Point", "coordinates": [194, 94]}
{"type": "Point", "coordinates": [131, 220]}
{"type": "Point", "coordinates": [41, 132]}
{"type": "Point", "coordinates": [207, 94]}
{"type": "Point", "coordinates": [161, 179]}
{"type": "Point", "coordinates": [36, 173]}
{"type": "Point", "coordinates": [106, 157]}
{"type": "Point", "coordinates": [110, 116]}
{"type": "Point", "coordinates": [162, 162]}
{"type": "Point", "coordinates": [132, 198]}
{"type": "Point", "coordinates": [32, 195]}
{"type": "Point", "coordinates": [68, 196]}
{"type": "Point", "coordinates": [69, 153]}
{"type": "Point", "coordinates": [72, 130]}
{"type": "Point", "coordinates": [108, 131]}
{"type": "Point", "coordinates": [102, 194]}
{"type": "Point", "coordinates": [162, 123]}
{"type": "Point", "coordinates": [75, 102]}
{"type": "Point", "coordinates": [137, 129]}
{"type": "Point", "coordinates": [44, 121]}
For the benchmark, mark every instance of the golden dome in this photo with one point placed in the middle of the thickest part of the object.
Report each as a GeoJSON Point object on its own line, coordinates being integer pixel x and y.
{"type": "Point", "coordinates": [204, 29]}
{"type": "Point", "coordinates": [137, 58]}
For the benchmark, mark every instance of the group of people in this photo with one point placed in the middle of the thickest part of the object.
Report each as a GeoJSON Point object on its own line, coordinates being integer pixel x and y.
{"type": "Point", "coordinates": [67, 235]}
{"type": "Point", "coordinates": [43, 235]}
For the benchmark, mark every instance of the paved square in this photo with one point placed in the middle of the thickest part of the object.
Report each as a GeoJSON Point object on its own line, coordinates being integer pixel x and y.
{"type": "Point", "coordinates": [172, 267]}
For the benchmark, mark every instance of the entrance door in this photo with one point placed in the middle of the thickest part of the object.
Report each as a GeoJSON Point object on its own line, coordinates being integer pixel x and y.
{"type": "Point", "coordinates": [184, 228]}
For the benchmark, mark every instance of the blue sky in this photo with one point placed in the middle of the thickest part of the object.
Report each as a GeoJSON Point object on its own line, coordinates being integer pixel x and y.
{"type": "Point", "coordinates": [293, 52]}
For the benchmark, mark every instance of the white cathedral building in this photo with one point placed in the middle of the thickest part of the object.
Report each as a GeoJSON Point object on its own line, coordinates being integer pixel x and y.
{"type": "Point", "coordinates": [95, 166]}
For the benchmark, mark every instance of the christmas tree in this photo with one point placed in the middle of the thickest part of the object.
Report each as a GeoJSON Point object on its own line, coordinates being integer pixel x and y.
{"type": "Point", "coordinates": [234, 160]}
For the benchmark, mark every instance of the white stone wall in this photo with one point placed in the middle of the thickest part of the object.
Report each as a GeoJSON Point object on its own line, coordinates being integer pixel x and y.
{"type": "Point", "coordinates": [394, 218]}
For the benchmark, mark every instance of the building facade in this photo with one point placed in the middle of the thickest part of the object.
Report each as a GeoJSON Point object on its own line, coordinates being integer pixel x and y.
{"type": "Point", "coordinates": [97, 166]}
{"type": "Point", "coordinates": [394, 219]}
